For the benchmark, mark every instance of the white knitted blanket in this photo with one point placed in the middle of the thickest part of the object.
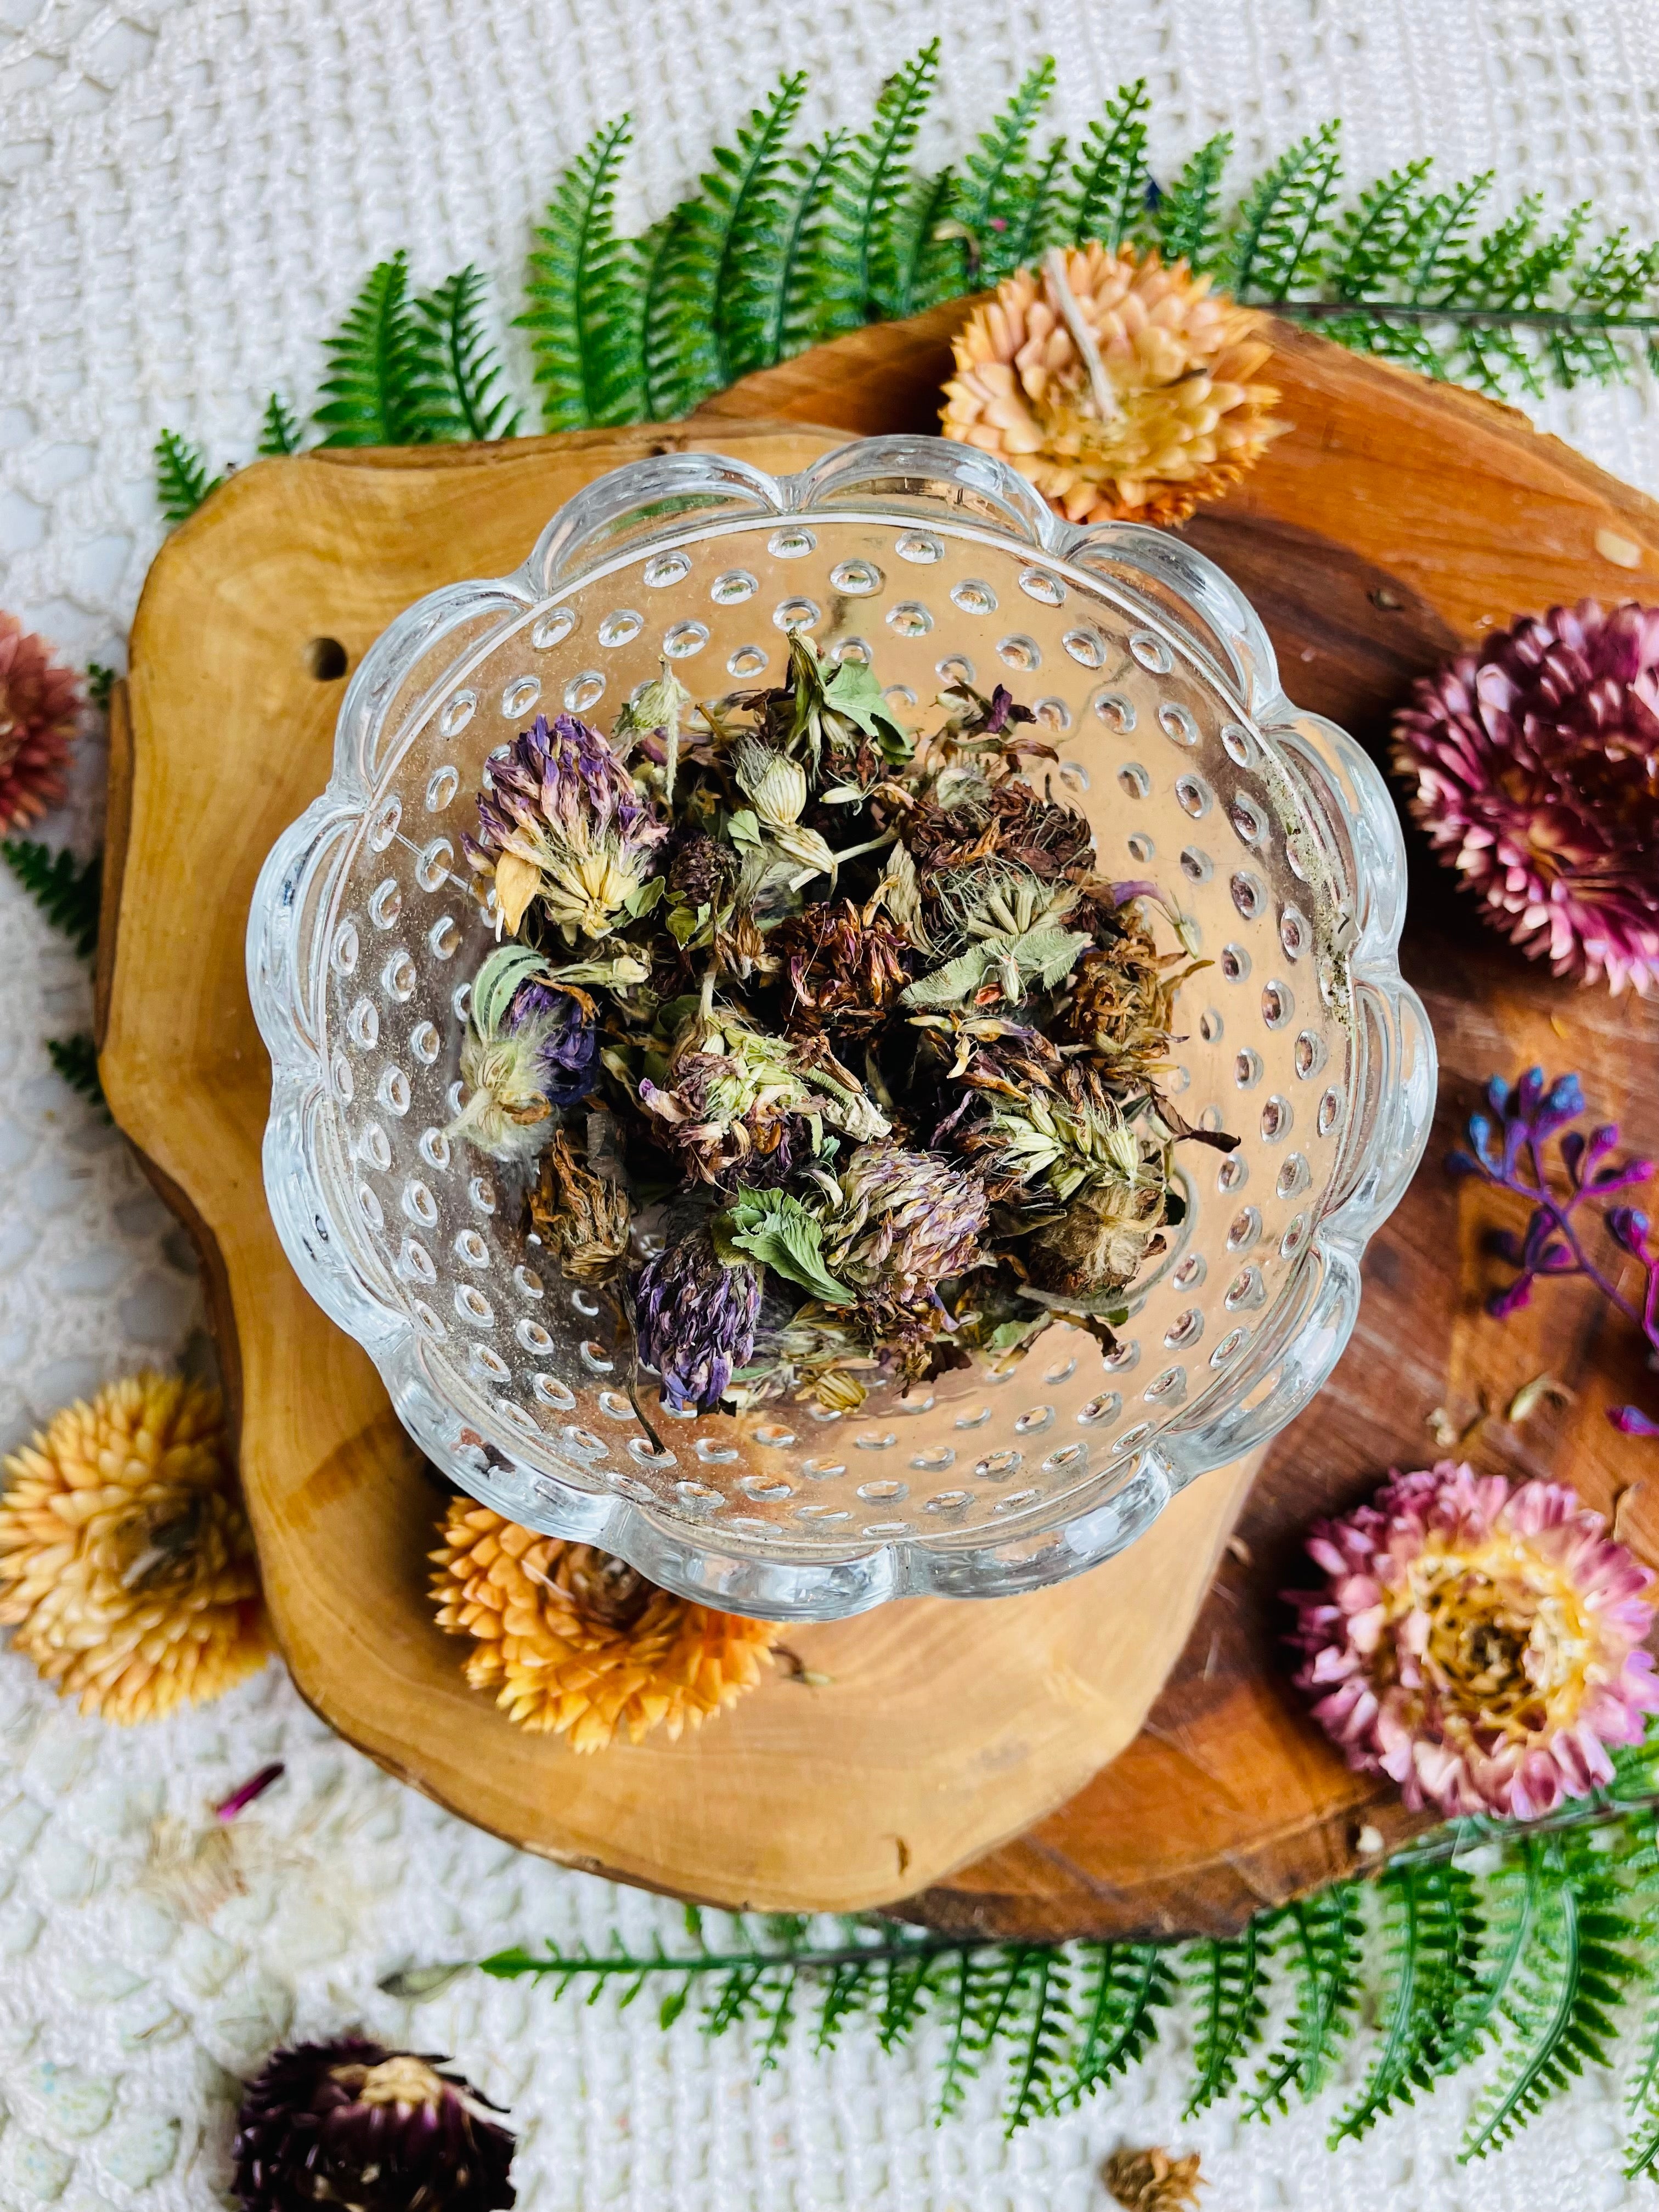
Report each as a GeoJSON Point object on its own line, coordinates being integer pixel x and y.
{"type": "Point", "coordinates": [190, 191]}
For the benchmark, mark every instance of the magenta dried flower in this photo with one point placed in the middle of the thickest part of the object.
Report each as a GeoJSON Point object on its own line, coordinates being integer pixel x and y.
{"type": "Point", "coordinates": [694, 1319]}
{"type": "Point", "coordinates": [1537, 765]}
{"type": "Point", "coordinates": [1479, 1644]}
{"type": "Point", "coordinates": [562, 825]}
{"type": "Point", "coordinates": [352, 2124]}
{"type": "Point", "coordinates": [39, 704]}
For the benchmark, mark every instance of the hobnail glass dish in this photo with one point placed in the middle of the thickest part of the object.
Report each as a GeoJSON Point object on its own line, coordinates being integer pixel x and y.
{"type": "Point", "coordinates": [1157, 685]}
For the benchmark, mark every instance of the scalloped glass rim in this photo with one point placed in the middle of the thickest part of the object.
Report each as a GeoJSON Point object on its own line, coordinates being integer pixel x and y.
{"type": "Point", "coordinates": [1353, 841]}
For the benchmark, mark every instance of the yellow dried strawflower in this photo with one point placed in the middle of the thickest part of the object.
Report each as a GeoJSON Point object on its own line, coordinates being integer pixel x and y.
{"type": "Point", "coordinates": [577, 1642]}
{"type": "Point", "coordinates": [127, 1568]}
{"type": "Point", "coordinates": [1118, 387]}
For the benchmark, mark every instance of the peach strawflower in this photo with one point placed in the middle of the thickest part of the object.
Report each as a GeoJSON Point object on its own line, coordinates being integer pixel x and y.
{"type": "Point", "coordinates": [575, 1641]}
{"type": "Point", "coordinates": [1120, 387]}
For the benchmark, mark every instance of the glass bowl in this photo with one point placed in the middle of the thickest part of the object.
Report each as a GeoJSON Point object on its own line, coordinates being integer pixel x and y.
{"type": "Point", "coordinates": [1157, 685]}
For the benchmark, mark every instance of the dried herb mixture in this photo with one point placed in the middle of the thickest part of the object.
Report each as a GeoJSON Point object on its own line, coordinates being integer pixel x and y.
{"type": "Point", "coordinates": [849, 1005]}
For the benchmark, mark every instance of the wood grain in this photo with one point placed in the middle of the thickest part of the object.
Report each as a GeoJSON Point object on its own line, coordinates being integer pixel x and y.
{"type": "Point", "coordinates": [1440, 514]}
{"type": "Point", "coordinates": [939, 1729]}
{"type": "Point", "coordinates": [1453, 494]}
{"type": "Point", "coordinates": [1397, 519]}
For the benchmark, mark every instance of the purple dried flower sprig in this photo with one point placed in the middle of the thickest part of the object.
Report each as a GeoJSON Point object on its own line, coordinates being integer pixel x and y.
{"type": "Point", "coordinates": [1507, 1150]}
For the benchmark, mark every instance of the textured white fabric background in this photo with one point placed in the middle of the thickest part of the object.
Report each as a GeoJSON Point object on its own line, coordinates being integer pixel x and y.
{"type": "Point", "coordinates": [189, 191]}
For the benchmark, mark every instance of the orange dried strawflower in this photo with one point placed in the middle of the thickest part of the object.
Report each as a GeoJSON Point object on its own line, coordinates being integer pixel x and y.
{"type": "Point", "coordinates": [1120, 387]}
{"type": "Point", "coordinates": [578, 1643]}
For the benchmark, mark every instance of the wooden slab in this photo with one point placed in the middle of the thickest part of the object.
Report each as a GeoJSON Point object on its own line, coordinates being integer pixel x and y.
{"type": "Point", "coordinates": [1396, 517]}
{"type": "Point", "coordinates": [941, 1728]}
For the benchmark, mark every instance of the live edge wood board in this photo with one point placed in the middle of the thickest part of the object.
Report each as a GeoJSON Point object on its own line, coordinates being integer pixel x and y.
{"type": "Point", "coordinates": [1396, 519]}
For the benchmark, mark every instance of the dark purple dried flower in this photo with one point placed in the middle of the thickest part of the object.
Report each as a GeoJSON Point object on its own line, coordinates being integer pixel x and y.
{"type": "Point", "coordinates": [1536, 763]}
{"type": "Point", "coordinates": [562, 822]}
{"type": "Point", "coordinates": [567, 1056]}
{"type": "Point", "coordinates": [1508, 1153]}
{"type": "Point", "coordinates": [694, 1319]}
{"type": "Point", "coordinates": [352, 2124]}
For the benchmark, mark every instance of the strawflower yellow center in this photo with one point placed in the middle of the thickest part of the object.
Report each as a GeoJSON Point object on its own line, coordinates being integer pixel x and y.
{"type": "Point", "coordinates": [1511, 1647]}
{"type": "Point", "coordinates": [402, 2079]}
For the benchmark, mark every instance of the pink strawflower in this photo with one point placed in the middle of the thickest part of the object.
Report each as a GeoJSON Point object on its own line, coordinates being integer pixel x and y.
{"type": "Point", "coordinates": [1536, 763]}
{"type": "Point", "coordinates": [39, 702]}
{"type": "Point", "coordinates": [1479, 1644]}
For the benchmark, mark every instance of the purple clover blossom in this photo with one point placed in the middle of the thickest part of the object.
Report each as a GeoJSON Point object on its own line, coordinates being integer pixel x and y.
{"type": "Point", "coordinates": [567, 1056]}
{"type": "Point", "coordinates": [1507, 1151]}
{"type": "Point", "coordinates": [694, 1319]}
{"type": "Point", "coordinates": [563, 816]}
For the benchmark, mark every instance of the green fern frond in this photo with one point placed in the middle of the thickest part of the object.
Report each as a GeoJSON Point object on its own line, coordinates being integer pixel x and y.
{"type": "Point", "coordinates": [1641, 2088]}
{"type": "Point", "coordinates": [707, 321]}
{"type": "Point", "coordinates": [75, 1059]}
{"type": "Point", "coordinates": [995, 187]}
{"type": "Point", "coordinates": [1226, 1975]}
{"type": "Point", "coordinates": [870, 189]}
{"type": "Point", "coordinates": [1539, 1954]}
{"type": "Point", "coordinates": [904, 1997]}
{"type": "Point", "coordinates": [378, 391]}
{"type": "Point", "coordinates": [795, 286]}
{"type": "Point", "coordinates": [182, 481]}
{"type": "Point", "coordinates": [585, 293]}
{"type": "Point", "coordinates": [279, 432]}
{"type": "Point", "coordinates": [458, 365]}
{"type": "Point", "coordinates": [1040, 2019]}
{"type": "Point", "coordinates": [681, 359]}
{"type": "Point", "coordinates": [1559, 2007]}
{"type": "Point", "coordinates": [1108, 177]}
{"type": "Point", "coordinates": [1185, 222]}
{"type": "Point", "coordinates": [1510, 270]}
{"type": "Point", "coordinates": [1432, 1930]}
{"type": "Point", "coordinates": [1276, 242]}
{"type": "Point", "coordinates": [1124, 1988]}
{"type": "Point", "coordinates": [922, 266]}
{"type": "Point", "coordinates": [1041, 222]}
{"type": "Point", "coordinates": [1320, 1946]}
{"type": "Point", "coordinates": [1510, 1898]}
{"type": "Point", "coordinates": [1642, 2102]}
{"type": "Point", "coordinates": [101, 682]}
{"type": "Point", "coordinates": [67, 891]}
{"type": "Point", "coordinates": [781, 289]}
